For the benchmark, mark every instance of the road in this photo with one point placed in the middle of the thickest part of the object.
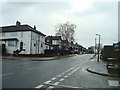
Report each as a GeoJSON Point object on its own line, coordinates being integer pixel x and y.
{"type": "Point", "coordinates": [67, 72]}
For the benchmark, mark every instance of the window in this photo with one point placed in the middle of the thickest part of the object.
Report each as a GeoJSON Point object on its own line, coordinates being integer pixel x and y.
{"type": "Point", "coordinates": [12, 43]}
{"type": "Point", "coordinates": [21, 45]}
{"type": "Point", "coordinates": [46, 47]}
{"type": "Point", "coordinates": [48, 41]}
{"type": "Point", "coordinates": [3, 34]}
{"type": "Point", "coordinates": [55, 42]}
{"type": "Point", "coordinates": [41, 45]}
{"type": "Point", "coordinates": [13, 33]}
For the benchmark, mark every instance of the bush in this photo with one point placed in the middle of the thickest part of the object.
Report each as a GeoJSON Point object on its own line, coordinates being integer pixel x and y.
{"type": "Point", "coordinates": [2, 49]}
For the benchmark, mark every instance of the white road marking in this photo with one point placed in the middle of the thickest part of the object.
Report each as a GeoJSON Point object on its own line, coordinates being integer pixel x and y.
{"type": "Point", "coordinates": [7, 74]}
{"type": "Point", "coordinates": [47, 82]}
{"type": "Point", "coordinates": [75, 70]}
{"type": "Point", "coordinates": [72, 72]}
{"type": "Point", "coordinates": [65, 86]}
{"type": "Point", "coordinates": [84, 69]}
{"type": "Point", "coordinates": [69, 74]}
{"type": "Point", "coordinates": [58, 75]}
{"type": "Point", "coordinates": [50, 87]}
{"type": "Point", "coordinates": [61, 79]}
{"type": "Point", "coordinates": [62, 73]}
{"type": "Point", "coordinates": [66, 71]}
{"type": "Point", "coordinates": [83, 62]}
{"type": "Point", "coordinates": [39, 86]}
{"type": "Point", "coordinates": [65, 76]}
{"type": "Point", "coordinates": [113, 83]}
{"type": "Point", "coordinates": [53, 78]}
{"type": "Point", "coordinates": [56, 83]}
{"type": "Point", "coordinates": [72, 68]}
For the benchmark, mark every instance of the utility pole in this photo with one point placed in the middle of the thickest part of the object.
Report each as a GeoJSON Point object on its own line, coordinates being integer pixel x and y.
{"type": "Point", "coordinates": [95, 46]}
{"type": "Point", "coordinates": [98, 48]}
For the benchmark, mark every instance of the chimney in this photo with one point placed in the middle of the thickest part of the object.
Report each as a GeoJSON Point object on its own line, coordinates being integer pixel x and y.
{"type": "Point", "coordinates": [34, 27]}
{"type": "Point", "coordinates": [18, 23]}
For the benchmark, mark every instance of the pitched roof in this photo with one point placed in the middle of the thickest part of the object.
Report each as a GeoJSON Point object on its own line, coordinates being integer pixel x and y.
{"type": "Point", "coordinates": [54, 37]}
{"type": "Point", "coordinates": [15, 28]}
{"type": "Point", "coordinates": [8, 39]}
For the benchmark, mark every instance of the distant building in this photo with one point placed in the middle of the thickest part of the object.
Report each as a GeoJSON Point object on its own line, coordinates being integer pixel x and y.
{"type": "Point", "coordinates": [54, 42]}
{"type": "Point", "coordinates": [91, 49]}
{"type": "Point", "coordinates": [22, 39]}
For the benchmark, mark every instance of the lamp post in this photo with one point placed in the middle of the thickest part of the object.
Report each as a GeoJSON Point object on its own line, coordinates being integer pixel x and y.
{"type": "Point", "coordinates": [98, 48]}
{"type": "Point", "coordinates": [95, 46]}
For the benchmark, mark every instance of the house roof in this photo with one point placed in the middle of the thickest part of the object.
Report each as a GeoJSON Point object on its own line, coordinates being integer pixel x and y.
{"type": "Point", "coordinates": [53, 37]}
{"type": "Point", "coordinates": [9, 39]}
{"type": "Point", "coordinates": [15, 28]}
{"type": "Point", "coordinates": [65, 41]}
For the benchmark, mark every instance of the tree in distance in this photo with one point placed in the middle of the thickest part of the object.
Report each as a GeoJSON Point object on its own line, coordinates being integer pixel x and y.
{"type": "Point", "coordinates": [66, 31]}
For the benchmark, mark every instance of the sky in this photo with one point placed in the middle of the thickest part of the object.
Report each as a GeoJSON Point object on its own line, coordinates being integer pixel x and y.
{"type": "Point", "coordinates": [91, 17]}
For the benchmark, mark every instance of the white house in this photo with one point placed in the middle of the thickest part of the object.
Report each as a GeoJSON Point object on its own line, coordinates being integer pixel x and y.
{"type": "Point", "coordinates": [22, 38]}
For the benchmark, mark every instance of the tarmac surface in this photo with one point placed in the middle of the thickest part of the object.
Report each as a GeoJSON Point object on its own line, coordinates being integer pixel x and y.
{"type": "Point", "coordinates": [78, 71]}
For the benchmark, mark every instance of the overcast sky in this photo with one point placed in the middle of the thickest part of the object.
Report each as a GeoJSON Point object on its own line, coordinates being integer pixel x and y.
{"type": "Point", "coordinates": [90, 17]}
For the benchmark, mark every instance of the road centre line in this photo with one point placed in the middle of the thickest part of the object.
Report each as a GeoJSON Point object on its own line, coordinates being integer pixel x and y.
{"type": "Point", "coordinates": [62, 73]}
{"type": "Point", "coordinates": [61, 79]}
{"type": "Point", "coordinates": [70, 69]}
{"type": "Point", "coordinates": [65, 76]}
{"type": "Point", "coordinates": [56, 83]}
{"type": "Point", "coordinates": [83, 62]}
{"type": "Point", "coordinates": [53, 78]}
{"type": "Point", "coordinates": [50, 87]}
{"type": "Point", "coordinates": [64, 86]}
{"type": "Point", "coordinates": [47, 82]}
{"type": "Point", "coordinates": [59, 75]}
{"type": "Point", "coordinates": [69, 74]}
{"type": "Point", "coordinates": [39, 86]}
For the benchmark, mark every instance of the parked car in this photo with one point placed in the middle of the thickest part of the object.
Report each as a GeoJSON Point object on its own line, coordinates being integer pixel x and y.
{"type": "Point", "coordinates": [108, 52]}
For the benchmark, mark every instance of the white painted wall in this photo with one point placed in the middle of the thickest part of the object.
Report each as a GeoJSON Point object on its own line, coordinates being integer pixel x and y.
{"type": "Point", "coordinates": [22, 37]}
{"type": "Point", "coordinates": [25, 37]}
{"type": "Point", "coordinates": [56, 42]}
{"type": "Point", "coordinates": [38, 43]}
{"type": "Point", "coordinates": [31, 42]}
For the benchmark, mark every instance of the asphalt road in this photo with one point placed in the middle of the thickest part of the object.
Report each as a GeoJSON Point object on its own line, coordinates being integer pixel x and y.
{"type": "Point", "coordinates": [67, 72]}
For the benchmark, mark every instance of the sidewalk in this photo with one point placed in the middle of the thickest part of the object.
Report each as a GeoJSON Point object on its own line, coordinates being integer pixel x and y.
{"type": "Point", "coordinates": [35, 58]}
{"type": "Point", "coordinates": [29, 58]}
{"type": "Point", "coordinates": [100, 68]}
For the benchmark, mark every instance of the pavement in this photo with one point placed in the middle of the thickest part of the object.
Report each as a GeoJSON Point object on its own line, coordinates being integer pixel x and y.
{"type": "Point", "coordinates": [34, 58]}
{"type": "Point", "coordinates": [29, 58]}
{"type": "Point", "coordinates": [100, 68]}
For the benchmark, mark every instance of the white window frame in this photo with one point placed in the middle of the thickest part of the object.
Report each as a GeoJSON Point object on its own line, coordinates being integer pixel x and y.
{"type": "Point", "coordinates": [13, 33]}
{"type": "Point", "coordinates": [12, 43]}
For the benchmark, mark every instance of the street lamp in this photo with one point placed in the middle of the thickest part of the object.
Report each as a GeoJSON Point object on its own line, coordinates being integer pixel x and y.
{"type": "Point", "coordinates": [98, 48]}
{"type": "Point", "coordinates": [95, 46]}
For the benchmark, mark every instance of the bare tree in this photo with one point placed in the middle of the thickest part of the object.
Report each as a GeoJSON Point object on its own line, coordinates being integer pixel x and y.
{"type": "Point", "coordinates": [66, 31]}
